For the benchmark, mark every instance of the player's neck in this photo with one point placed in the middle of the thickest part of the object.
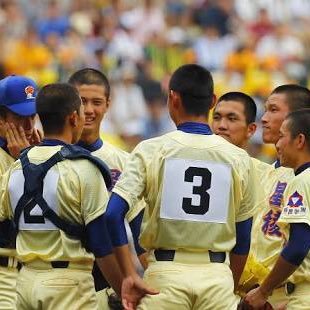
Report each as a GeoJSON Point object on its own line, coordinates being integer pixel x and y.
{"type": "Point", "coordinates": [301, 160]}
{"type": "Point", "coordinates": [191, 118]}
{"type": "Point", "coordinates": [89, 138]}
{"type": "Point", "coordinates": [65, 137]}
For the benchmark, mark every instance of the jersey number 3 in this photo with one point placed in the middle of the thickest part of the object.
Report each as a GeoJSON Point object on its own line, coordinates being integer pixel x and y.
{"type": "Point", "coordinates": [195, 190]}
{"type": "Point", "coordinates": [201, 190]}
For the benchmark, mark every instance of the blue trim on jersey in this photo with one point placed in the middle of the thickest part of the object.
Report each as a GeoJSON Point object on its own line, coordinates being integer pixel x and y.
{"type": "Point", "coordinates": [116, 211]}
{"type": "Point", "coordinates": [52, 142]}
{"type": "Point", "coordinates": [298, 245]}
{"type": "Point", "coordinates": [243, 237]}
{"type": "Point", "coordinates": [98, 239]}
{"type": "Point", "coordinates": [198, 128]}
{"type": "Point", "coordinates": [91, 147]}
{"type": "Point", "coordinates": [135, 226]}
{"type": "Point", "coordinates": [4, 145]}
{"type": "Point", "coordinates": [277, 164]}
{"type": "Point", "coordinates": [302, 168]}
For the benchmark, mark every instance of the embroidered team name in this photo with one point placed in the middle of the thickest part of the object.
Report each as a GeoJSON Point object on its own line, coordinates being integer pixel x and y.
{"type": "Point", "coordinates": [295, 205]}
{"type": "Point", "coordinates": [115, 174]}
{"type": "Point", "coordinates": [270, 219]}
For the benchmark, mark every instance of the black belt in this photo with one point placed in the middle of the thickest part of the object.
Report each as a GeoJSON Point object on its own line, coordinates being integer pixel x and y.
{"type": "Point", "coordinates": [60, 264]}
{"type": "Point", "coordinates": [4, 262]}
{"type": "Point", "coordinates": [168, 255]}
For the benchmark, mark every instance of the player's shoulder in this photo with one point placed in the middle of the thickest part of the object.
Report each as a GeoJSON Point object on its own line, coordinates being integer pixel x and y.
{"type": "Point", "coordinates": [6, 161]}
{"type": "Point", "coordinates": [283, 173]}
{"type": "Point", "coordinates": [111, 150]}
{"type": "Point", "coordinates": [261, 166]}
{"type": "Point", "coordinates": [230, 151]}
{"type": "Point", "coordinates": [151, 144]}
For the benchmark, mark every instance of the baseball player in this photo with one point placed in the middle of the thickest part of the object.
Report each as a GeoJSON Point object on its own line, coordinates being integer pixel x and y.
{"type": "Point", "coordinates": [292, 267]}
{"type": "Point", "coordinates": [200, 200]}
{"type": "Point", "coordinates": [58, 205]}
{"type": "Point", "coordinates": [267, 236]}
{"type": "Point", "coordinates": [94, 89]}
{"type": "Point", "coordinates": [17, 112]}
{"type": "Point", "coordinates": [234, 120]}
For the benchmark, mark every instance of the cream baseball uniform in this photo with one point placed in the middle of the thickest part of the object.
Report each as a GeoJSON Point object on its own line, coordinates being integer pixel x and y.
{"type": "Point", "coordinates": [8, 274]}
{"type": "Point", "coordinates": [115, 158]}
{"type": "Point", "coordinates": [196, 188]}
{"type": "Point", "coordinates": [297, 210]}
{"type": "Point", "coordinates": [267, 237]}
{"type": "Point", "coordinates": [76, 191]}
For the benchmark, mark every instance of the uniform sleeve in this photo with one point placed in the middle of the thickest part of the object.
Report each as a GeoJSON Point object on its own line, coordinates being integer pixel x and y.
{"type": "Point", "coordinates": [132, 183]}
{"type": "Point", "coordinates": [248, 184]}
{"type": "Point", "coordinates": [94, 194]}
{"type": "Point", "coordinates": [5, 205]}
{"type": "Point", "coordinates": [135, 211]}
{"type": "Point", "coordinates": [296, 204]}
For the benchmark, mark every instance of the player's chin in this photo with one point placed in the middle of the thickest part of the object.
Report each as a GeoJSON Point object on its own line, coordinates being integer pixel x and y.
{"type": "Point", "coordinates": [268, 138]}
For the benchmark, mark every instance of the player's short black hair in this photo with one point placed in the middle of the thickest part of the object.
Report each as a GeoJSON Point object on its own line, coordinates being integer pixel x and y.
{"type": "Point", "coordinates": [195, 86]}
{"type": "Point", "coordinates": [297, 97]}
{"type": "Point", "coordinates": [247, 101]}
{"type": "Point", "coordinates": [90, 76]}
{"type": "Point", "coordinates": [54, 103]}
{"type": "Point", "coordinates": [299, 123]}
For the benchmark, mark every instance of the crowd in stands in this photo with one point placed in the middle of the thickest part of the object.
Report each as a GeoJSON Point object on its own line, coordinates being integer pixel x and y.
{"type": "Point", "coordinates": [251, 46]}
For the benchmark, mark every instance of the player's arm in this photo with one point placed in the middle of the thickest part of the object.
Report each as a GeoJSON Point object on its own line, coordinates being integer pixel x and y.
{"type": "Point", "coordinates": [133, 288]}
{"type": "Point", "coordinates": [291, 257]}
{"type": "Point", "coordinates": [239, 253]}
{"type": "Point", "coordinates": [100, 245]}
{"type": "Point", "coordinates": [135, 226]}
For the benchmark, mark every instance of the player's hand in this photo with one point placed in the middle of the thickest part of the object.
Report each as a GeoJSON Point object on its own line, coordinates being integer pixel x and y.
{"type": "Point", "coordinates": [16, 139]}
{"type": "Point", "coordinates": [256, 300]}
{"type": "Point", "coordinates": [133, 289]}
{"type": "Point", "coordinates": [37, 137]}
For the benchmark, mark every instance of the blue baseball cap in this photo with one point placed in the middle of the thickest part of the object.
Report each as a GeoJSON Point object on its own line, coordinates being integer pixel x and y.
{"type": "Point", "coordinates": [18, 94]}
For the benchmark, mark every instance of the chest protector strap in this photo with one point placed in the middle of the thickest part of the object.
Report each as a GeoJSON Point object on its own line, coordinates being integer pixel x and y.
{"type": "Point", "coordinates": [33, 187]}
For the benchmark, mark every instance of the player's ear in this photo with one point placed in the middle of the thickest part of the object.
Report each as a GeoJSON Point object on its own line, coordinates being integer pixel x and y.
{"type": "Point", "coordinates": [213, 102]}
{"type": "Point", "coordinates": [251, 129]}
{"type": "Point", "coordinates": [175, 98]}
{"type": "Point", "coordinates": [108, 102]}
{"type": "Point", "coordinates": [73, 119]}
{"type": "Point", "coordinates": [300, 141]}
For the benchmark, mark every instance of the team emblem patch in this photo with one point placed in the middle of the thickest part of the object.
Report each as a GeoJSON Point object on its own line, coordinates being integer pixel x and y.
{"type": "Point", "coordinates": [115, 174]}
{"type": "Point", "coordinates": [29, 90]}
{"type": "Point", "coordinates": [270, 219]}
{"type": "Point", "coordinates": [295, 205]}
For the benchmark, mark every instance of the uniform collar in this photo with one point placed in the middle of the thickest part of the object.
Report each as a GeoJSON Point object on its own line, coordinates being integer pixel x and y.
{"type": "Point", "coordinates": [52, 142]}
{"type": "Point", "coordinates": [277, 164]}
{"type": "Point", "coordinates": [302, 168]}
{"type": "Point", "coordinates": [91, 147]}
{"type": "Point", "coordinates": [197, 128]}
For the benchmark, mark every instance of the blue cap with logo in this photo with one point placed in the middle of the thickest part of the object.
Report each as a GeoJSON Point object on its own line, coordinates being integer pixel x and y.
{"type": "Point", "coordinates": [18, 93]}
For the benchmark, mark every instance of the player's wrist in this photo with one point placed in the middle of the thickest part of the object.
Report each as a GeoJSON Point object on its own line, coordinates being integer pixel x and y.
{"type": "Point", "coordinates": [265, 291]}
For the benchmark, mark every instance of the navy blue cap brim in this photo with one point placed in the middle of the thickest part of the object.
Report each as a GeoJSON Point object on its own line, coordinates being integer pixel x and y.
{"type": "Point", "coordinates": [26, 108]}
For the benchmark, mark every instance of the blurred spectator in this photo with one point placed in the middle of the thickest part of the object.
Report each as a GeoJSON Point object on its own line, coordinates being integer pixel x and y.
{"type": "Point", "coordinates": [262, 26]}
{"type": "Point", "coordinates": [251, 46]}
{"type": "Point", "coordinates": [212, 49]}
{"type": "Point", "coordinates": [128, 108]}
{"type": "Point", "coordinates": [150, 15]}
{"type": "Point", "coordinates": [52, 21]}
{"type": "Point", "coordinates": [158, 121]}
